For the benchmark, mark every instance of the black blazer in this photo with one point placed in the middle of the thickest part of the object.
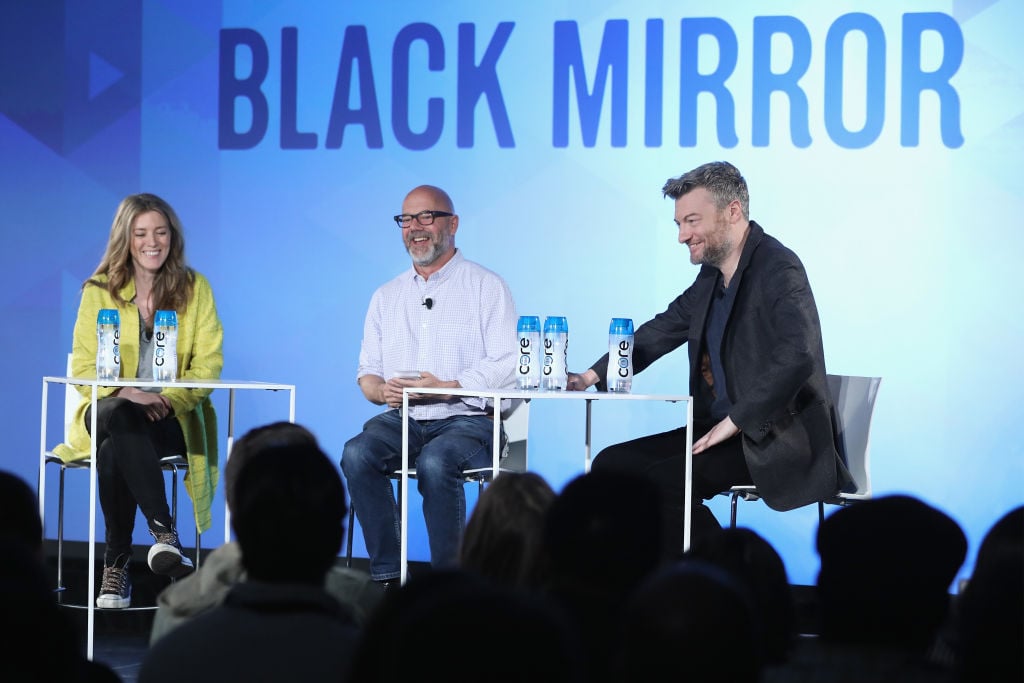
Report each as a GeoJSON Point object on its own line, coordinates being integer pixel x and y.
{"type": "Point", "coordinates": [773, 358]}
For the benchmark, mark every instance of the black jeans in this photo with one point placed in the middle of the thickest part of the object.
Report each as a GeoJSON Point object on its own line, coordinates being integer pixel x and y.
{"type": "Point", "coordinates": [660, 457]}
{"type": "Point", "coordinates": [128, 449]}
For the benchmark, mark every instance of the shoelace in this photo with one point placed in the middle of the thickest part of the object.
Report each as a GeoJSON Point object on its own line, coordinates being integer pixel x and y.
{"type": "Point", "coordinates": [169, 537]}
{"type": "Point", "coordinates": [115, 580]}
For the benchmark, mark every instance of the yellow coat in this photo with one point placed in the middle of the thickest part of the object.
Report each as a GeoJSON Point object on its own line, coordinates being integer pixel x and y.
{"type": "Point", "coordinates": [200, 356]}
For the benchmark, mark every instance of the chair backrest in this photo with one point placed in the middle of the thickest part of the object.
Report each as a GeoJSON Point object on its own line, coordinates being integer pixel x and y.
{"type": "Point", "coordinates": [71, 400]}
{"type": "Point", "coordinates": [854, 401]}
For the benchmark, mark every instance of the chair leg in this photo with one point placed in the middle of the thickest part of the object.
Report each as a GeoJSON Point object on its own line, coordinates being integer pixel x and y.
{"type": "Point", "coordinates": [60, 537]}
{"type": "Point", "coordinates": [174, 496]}
{"type": "Point", "coordinates": [732, 513]}
{"type": "Point", "coordinates": [174, 512]}
{"type": "Point", "coordinates": [821, 512]}
{"type": "Point", "coordinates": [351, 532]}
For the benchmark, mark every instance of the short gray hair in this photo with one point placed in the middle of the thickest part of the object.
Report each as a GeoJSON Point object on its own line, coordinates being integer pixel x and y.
{"type": "Point", "coordinates": [720, 178]}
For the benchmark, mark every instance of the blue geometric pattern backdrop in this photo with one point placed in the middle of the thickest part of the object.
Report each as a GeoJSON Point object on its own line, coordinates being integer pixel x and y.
{"type": "Point", "coordinates": [881, 141]}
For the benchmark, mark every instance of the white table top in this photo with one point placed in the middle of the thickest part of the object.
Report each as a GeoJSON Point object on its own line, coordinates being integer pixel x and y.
{"type": "Point", "coordinates": [536, 394]}
{"type": "Point", "coordinates": [180, 383]}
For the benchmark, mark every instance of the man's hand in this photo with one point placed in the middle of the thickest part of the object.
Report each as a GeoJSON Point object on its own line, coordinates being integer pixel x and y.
{"type": "Point", "coordinates": [391, 390]}
{"type": "Point", "coordinates": [581, 381]}
{"type": "Point", "coordinates": [722, 431]}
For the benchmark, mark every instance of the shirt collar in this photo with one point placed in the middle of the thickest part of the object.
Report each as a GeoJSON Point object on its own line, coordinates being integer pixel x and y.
{"type": "Point", "coordinates": [442, 274]}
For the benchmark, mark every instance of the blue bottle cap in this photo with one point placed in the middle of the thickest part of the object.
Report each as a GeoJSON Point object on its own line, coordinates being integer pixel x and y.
{"type": "Point", "coordinates": [556, 323]}
{"type": "Point", "coordinates": [621, 326]}
{"type": "Point", "coordinates": [108, 316]}
{"type": "Point", "coordinates": [165, 319]}
{"type": "Point", "coordinates": [529, 323]}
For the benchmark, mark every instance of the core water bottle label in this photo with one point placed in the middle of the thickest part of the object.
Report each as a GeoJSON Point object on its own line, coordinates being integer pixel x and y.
{"type": "Point", "coordinates": [528, 375]}
{"type": "Point", "coordinates": [528, 371]}
{"type": "Point", "coordinates": [108, 349]}
{"type": "Point", "coordinates": [165, 351]}
{"type": "Point", "coordinates": [620, 355]}
{"type": "Point", "coordinates": [556, 353]}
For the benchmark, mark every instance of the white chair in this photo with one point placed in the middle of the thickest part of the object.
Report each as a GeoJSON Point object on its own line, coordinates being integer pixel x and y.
{"type": "Point", "coordinates": [513, 459]}
{"type": "Point", "coordinates": [173, 464]}
{"type": "Point", "coordinates": [853, 400]}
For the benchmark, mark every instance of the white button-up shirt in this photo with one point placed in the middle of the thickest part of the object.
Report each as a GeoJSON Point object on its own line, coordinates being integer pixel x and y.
{"type": "Point", "coordinates": [467, 334]}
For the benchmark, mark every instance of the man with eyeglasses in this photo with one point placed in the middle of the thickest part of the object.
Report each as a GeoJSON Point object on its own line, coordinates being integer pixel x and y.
{"type": "Point", "coordinates": [445, 322]}
{"type": "Point", "coordinates": [761, 406]}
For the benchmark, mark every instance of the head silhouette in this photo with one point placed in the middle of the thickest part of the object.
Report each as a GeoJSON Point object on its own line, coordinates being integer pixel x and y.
{"type": "Point", "coordinates": [886, 568]}
{"type": "Point", "coordinates": [990, 612]}
{"type": "Point", "coordinates": [256, 440]}
{"type": "Point", "coordinates": [504, 535]}
{"type": "Point", "coordinates": [19, 513]}
{"type": "Point", "coordinates": [603, 533]}
{"type": "Point", "coordinates": [423, 617]}
{"type": "Point", "coordinates": [755, 563]}
{"type": "Point", "coordinates": [694, 617]}
{"type": "Point", "coordinates": [289, 513]}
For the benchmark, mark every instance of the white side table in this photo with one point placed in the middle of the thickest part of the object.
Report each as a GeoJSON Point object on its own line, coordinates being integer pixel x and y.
{"type": "Point", "coordinates": [231, 385]}
{"type": "Point", "coordinates": [496, 396]}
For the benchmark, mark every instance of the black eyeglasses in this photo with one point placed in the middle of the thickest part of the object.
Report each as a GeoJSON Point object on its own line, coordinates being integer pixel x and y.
{"type": "Point", "coordinates": [404, 220]}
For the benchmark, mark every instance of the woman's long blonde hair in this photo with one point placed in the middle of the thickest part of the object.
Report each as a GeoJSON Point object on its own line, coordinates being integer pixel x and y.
{"type": "Point", "coordinates": [172, 287]}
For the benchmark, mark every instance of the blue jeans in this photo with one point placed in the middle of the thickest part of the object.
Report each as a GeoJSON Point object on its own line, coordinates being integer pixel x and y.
{"type": "Point", "coordinates": [439, 450]}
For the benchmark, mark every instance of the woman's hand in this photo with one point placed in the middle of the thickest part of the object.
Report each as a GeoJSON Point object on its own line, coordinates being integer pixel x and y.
{"type": "Point", "coordinates": [156, 406]}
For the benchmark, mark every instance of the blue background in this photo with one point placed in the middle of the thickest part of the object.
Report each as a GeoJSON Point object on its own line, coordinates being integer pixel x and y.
{"type": "Point", "coordinates": [910, 244]}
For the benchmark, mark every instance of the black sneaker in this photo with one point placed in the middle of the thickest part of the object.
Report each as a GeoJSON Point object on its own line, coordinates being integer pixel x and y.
{"type": "Point", "coordinates": [165, 556]}
{"type": "Point", "coordinates": [389, 585]}
{"type": "Point", "coordinates": [116, 587]}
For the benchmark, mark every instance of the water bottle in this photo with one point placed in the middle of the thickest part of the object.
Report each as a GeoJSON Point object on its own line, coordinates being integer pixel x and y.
{"type": "Point", "coordinates": [556, 351]}
{"type": "Point", "coordinates": [529, 369]}
{"type": "Point", "coordinates": [620, 355]}
{"type": "Point", "coordinates": [108, 340]}
{"type": "Point", "coordinates": [165, 351]}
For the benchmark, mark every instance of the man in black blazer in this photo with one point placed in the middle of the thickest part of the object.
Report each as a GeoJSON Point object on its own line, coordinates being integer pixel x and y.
{"type": "Point", "coordinates": [761, 407]}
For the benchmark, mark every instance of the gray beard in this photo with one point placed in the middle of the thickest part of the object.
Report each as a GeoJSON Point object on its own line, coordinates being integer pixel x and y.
{"type": "Point", "coordinates": [437, 249]}
{"type": "Point", "coordinates": [716, 255]}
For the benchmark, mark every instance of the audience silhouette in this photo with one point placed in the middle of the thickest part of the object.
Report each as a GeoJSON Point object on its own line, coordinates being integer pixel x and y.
{"type": "Point", "coordinates": [752, 560]}
{"type": "Point", "coordinates": [504, 535]}
{"type": "Point", "coordinates": [279, 624]}
{"type": "Point", "coordinates": [883, 594]}
{"type": "Point", "coordinates": [988, 622]}
{"type": "Point", "coordinates": [424, 630]}
{"type": "Point", "coordinates": [40, 640]}
{"type": "Point", "coordinates": [572, 587]}
{"type": "Point", "coordinates": [691, 620]}
{"type": "Point", "coordinates": [602, 539]}
{"type": "Point", "coordinates": [223, 567]}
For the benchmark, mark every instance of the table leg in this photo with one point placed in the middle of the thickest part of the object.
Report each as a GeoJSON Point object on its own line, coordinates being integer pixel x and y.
{"type": "Point", "coordinates": [688, 492]}
{"type": "Point", "coordinates": [91, 594]}
{"type": "Point", "coordinates": [41, 485]}
{"type": "Point", "coordinates": [404, 532]}
{"type": "Point", "coordinates": [227, 455]}
{"type": "Point", "coordinates": [586, 440]}
{"type": "Point", "coordinates": [496, 439]}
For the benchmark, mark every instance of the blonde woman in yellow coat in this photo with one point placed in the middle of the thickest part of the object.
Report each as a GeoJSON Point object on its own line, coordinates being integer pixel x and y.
{"type": "Point", "coordinates": [144, 270]}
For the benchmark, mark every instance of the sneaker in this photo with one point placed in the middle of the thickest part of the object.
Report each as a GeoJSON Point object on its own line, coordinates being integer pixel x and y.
{"type": "Point", "coordinates": [165, 556]}
{"type": "Point", "coordinates": [116, 587]}
{"type": "Point", "coordinates": [389, 585]}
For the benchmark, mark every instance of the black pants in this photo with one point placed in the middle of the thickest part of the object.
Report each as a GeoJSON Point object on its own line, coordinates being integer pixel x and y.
{"type": "Point", "coordinates": [128, 449]}
{"type": "Point", "coordinates": [661, 458]}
